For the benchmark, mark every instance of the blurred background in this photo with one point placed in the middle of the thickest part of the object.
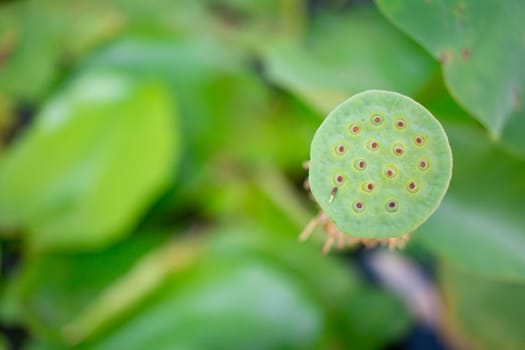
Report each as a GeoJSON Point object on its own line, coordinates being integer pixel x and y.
{"type": "Point", "coordinates": [151, 179]}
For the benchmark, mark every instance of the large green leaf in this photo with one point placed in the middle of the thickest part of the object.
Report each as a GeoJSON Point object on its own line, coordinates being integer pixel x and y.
{"type": "Point", "coordinates": [197, 292]}
{"type": "Point", "coordinates": [209, 79]}
{"type": "Point", "coordinates": [481, 48]}
{"type": "Point", "coordinates": [337, 287]}
{"type": "Point", "coordinates": [61, 32]}
{"type": "Point", "coordinates": [373, 320]}
{"type": "Point", "coordinates": [487, 313]}
{"type": "Point", "coordinates": [345, 53]}
{"type": "Point", "coordinates": [3, 343]}
{"type": "Point", "coordinates": [53, 289]}
{"type": "Point", "coordinates": [220, 102]}
{"type": "Point", "coordinates": [246, 271]}
{"type": "Point", "coordinates": [6, 119]}
{"type": "Point", "coordinates": [55, 33]}
{"type": "Point", "coordinates": [231, 305]}
{"type": "Point", "coordinates": [91, 164]}
{"type": "Point", "coordinates": [480, 224]}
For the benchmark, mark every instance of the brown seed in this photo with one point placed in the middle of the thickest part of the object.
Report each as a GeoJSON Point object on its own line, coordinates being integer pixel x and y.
{"type": "Point", "coordinates": [391, 205]}
{"type": "Point", "coordinates": [360, 164]}
{"type": "Point", "coordinates": [373, 145]}
{"type": "Point", "coordinates": [359, 206]}
{"type": "Point", "coordinates": [389, 172]}
{"type": "Point", "coordinates": [398, 150]}
{"type": "Point", "coordinates": [377, 119]}
{"type": "Point", "coordinates": [400, 124]}
{"type": "Point", "coordinates": [340, 149]}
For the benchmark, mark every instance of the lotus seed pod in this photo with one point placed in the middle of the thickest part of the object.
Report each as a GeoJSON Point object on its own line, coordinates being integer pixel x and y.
{"type": "Point", "coordinates": [380, 165]}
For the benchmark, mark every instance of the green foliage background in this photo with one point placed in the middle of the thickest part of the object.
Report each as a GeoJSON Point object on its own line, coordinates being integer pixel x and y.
{"type": "Point", "coordinates": [151, 180]}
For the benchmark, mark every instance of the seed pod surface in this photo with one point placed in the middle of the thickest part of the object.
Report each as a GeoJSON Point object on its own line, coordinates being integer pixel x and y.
{"type": "Point", "coordinates": [389, 159]}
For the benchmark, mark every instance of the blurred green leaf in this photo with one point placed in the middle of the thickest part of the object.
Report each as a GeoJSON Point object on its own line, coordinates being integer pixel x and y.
{"type": "Point", "coordinates": [378, 317]}
{"type": "Point", "coordinates": [210, 80]}
{"type": "Point", "coordinates": [347, 52]}
{"type": "Point", "coordinates": [480, 225]}
{"type": "Point", "coordinates": [489, 313]}
{"type": "Point", "coordinates": [220, 102]}
{"type": "Point", "coordinates": [204, 295]}
{"type": "Point", "coordinates": [228, 305]}
{"type": "Point", "coordinates": [358, 316]}
{"type": "Point", "coordinates": [53, 32]}
{"type": "Point", "coordinates": [244, 277]}
{"type": "Point", "coordinates": [6, 119]}
{"type": "Point", "coordinates": [255, 24]}
{"type": "Point", "coordinates": [61, 32]}
{"type": "Point", "coordinates": [90, 166]}
{"type": "Point", "coordinates": [481, 48]}
{"type": "Point", "coordinates": [330, 282]}
{"type": "Point", "coordinates": [286, 295]}
{"type": "Point", "coordinates": [53, 289]}
{"type": "Point", "coordinates": [3, 343]}
{"type": "Point", "coordinates": [262, 194]}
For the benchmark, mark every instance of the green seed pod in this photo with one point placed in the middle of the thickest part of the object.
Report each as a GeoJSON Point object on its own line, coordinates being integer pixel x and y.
{"type": "Point", "coordinates": [380, 165]}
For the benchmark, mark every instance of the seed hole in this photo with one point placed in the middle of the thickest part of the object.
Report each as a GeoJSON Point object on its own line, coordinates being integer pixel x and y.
{"type": "Point", "coordinates": [358, 206]}
{"type": "Point", "coordinates": [400, 124]}
{"type": "Point", "coordinates": [373, 145]}
{"type": "Point", "coordinates": [391, 205]}
{"type": "Point", "coordinates": [360, 164]}
{"type": "Point", "coordinates": [377, 119]}
{"type": "Point", "coordinates": [412, 187]}
{"type": "Point", "coordinates": [423, 165]}
{"type": "Point", "coordinates": [369, 187]}
{"type": "Point", "coordinates": [355, 129]}
{"type": "Point", "coordinates": [390, 172]}
{"type": "Point", "coordinates": [419, 140]}
{"type": "Point", "coordinates": [340, 149]}
{"type": "Point", "coordinates": [339, 179]}
{"type": "Point", "coordinates": [398, 150]}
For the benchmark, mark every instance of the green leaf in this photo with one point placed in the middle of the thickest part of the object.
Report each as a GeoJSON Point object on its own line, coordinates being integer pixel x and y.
{"type": "Point", "coordinates": [243, 277]}
{"type": "Point", "coordinates": [375, 319]}
{"type": "Point", "coordinates": [69, 299]}
{"type": "Point", "coordinates": [207, 310]}
{"type": "Point", "coordinates": [357, 315]}
{"type": "Point", "coordinates": [256, 23]}
{"type": "Point", "coordinates": [6, 119]}
{"type": "Point", "coordinates": [92, 163]}
{"type": "Point", "coordinates": [481, 48]}
{"type": "Point", "coordinates": [216, 93]}
{"type": "Point", "coordinates": [480, 224]}
{"type": "Point", "coordinates": [209, 79]}
{"type": "Point", "coordinates": [345, 53]}
{"type": "Point", "coordinates": [61, 292]}
{"type": "Point", "coordinates": [489, 314]}
{"type": "Point", "coordinates": [54, 289]}
{"type": "Point", "coordinates": [3, 343]}
{"type": "Point", "coordinates": [59, 34]}
{"type": "Point", "coordinates": [55, 33]}
{"type": "Point", "coordinates": [331, 284]}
